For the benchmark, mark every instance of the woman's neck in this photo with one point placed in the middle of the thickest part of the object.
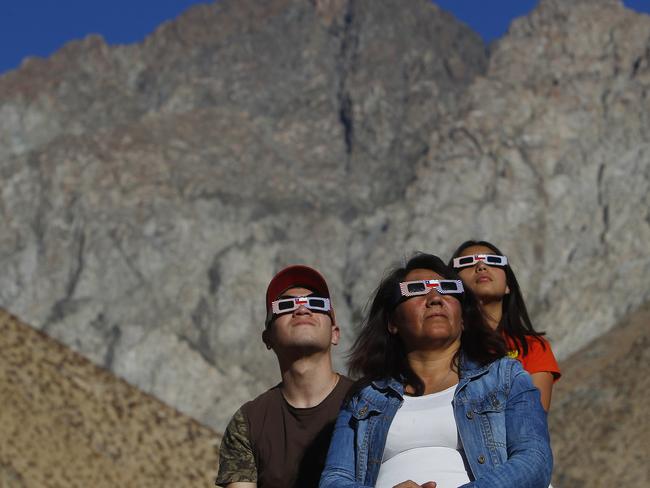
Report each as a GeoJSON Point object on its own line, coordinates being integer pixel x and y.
{"type": "Point", "coordinates": [435, 368]}
{"type": "Point", "coordinates": [492, 311]}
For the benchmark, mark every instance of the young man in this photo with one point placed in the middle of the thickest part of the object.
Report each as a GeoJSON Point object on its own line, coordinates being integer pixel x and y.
{"type": "Point", "coordinates": [281, 438]}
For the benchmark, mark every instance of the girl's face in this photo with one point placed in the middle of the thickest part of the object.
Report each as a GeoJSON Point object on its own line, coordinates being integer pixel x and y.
{"type": "Point", "coordinates": [487, 282]}
{"type": "Point", "coordinates": [427, 321]}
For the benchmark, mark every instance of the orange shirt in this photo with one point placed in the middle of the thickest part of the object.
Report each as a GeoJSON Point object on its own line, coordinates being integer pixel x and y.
{"type": "Point", "coordinates": [539, 358]}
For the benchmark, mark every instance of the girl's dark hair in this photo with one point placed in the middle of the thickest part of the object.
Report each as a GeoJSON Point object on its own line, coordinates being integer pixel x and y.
{"type": "Point", "coordinates": [378, 354]}
{"type": "Point", "coordinates": [515, 321]}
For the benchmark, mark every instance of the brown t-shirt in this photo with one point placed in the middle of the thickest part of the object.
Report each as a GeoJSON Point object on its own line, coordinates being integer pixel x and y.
{"type": "Point", "coordinates": [276, 445]}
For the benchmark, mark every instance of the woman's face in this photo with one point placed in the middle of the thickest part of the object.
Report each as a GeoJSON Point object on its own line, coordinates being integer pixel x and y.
{"type": "Point", "coordinates": [427, 321]}
{"type": "Point", "coordinates": [487, 282]}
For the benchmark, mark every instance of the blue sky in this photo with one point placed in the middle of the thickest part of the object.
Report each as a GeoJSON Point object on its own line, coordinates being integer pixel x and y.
{"type": "Point", "coordinates": [40, 27]}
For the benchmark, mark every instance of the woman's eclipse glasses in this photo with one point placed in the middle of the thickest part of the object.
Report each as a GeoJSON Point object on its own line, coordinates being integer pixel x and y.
{"type": "Point", "coordinates": [423, 287]}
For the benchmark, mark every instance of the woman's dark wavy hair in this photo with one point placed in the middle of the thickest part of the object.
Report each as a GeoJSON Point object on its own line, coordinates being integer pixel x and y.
{"type": "Point", "coordinates": [515, 321]}
{"type": "Point", "coordinates": [378, 354]}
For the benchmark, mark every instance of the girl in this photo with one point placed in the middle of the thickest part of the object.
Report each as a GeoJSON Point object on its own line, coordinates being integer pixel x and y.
{"type": "Point", "coordinates": [485, 270]}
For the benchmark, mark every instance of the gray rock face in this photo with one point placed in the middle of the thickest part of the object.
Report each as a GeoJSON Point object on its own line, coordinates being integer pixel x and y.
{"type": "Point", "coordinates": [149, 192]}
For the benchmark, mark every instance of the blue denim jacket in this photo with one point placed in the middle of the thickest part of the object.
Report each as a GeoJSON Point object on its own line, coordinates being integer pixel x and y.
{"type": "Point", "coordinates": [500, 420]}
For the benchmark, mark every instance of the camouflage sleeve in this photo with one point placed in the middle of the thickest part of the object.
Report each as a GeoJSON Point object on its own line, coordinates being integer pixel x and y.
{"type": "Point", "coordinates": [236, 460]}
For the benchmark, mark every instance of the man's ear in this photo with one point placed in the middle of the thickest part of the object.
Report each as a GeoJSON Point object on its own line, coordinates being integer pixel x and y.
{"type": "Point", "coordinates": [336, 334]}
{"type": "Point", "coordinates": [266, 339]}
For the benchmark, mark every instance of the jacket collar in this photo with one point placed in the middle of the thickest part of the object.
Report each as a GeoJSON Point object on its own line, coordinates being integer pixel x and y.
{"type": "Point", "coordinates": [392, 384]}
{"type": "Point", "coordinates": [470, 369]}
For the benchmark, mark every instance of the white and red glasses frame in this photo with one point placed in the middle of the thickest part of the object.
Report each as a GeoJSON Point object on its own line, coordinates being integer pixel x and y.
{"type": "Point", "coordinates": [286, 305]}
{"type": "Point", "coordinates": [489, 259]}
{"type": "Point", "coordinates": [423, 287]}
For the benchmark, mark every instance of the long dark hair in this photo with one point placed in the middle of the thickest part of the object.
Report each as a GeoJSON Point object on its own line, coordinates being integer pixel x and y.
{"type": "Point", "coordinates": [378, 354]}
{"type": "Point", "coordinates": [515, 322]}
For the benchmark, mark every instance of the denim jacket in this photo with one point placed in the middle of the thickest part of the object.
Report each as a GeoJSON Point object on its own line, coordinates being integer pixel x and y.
{"type": "Point", "coordinates": [500, 420]}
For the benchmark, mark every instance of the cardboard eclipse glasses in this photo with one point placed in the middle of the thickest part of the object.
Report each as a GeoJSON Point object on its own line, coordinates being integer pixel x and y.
{"type": "Point", "coordinates": [489, 259]}
{"type": "Point", "coordinates": [286, 305]}
{"type": "Point", "coordinates": [423, 287]}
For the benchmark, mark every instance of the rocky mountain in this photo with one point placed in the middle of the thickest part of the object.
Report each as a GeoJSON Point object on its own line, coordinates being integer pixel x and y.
{"type": "Point", "coordinates": [66, 422]}
{"type": "Point", "coordinates": [150, 191]}
{"type": "Point", "coordinates": [597, 421]}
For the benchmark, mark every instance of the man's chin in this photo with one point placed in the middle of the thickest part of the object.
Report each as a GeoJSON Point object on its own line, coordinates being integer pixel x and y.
{"type": "Point", "coordinates": [306, 347]}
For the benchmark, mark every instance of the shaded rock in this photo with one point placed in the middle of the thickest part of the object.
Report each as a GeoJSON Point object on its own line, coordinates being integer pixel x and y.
{"type": "Point", "coordinates": [598, 420]}
{"type": "Point", "coordinates": [66, 422]}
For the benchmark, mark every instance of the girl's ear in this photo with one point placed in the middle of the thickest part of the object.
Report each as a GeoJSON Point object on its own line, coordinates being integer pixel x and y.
{"type": "Point", "coordinates": [507, 290]}
{"type": "Point", "coordinates": [265, 338]}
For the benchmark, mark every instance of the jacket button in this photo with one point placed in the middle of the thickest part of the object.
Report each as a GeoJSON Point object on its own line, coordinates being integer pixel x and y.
{"type": "Point", "coordinates": [469, 415]}
{"type": "Point", "coordinates": [363, 411]}
{"type": "Point", "coordinates": [481, 459]}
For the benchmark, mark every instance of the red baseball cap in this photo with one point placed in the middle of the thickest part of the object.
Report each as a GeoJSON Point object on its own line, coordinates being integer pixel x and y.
{"type": "Point", "coordinates": [293, 277]}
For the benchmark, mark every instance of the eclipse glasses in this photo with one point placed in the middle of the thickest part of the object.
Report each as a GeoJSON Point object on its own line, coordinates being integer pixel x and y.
{"type": "Point", "coordinates": [315, 304]}
{"type": "Point", "coordinates": [423, 287]}
{"type": "Point", "coordinates": [489, 259]}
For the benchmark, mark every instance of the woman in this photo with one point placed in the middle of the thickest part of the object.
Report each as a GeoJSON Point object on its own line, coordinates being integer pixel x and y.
{"type": "Point", "coordinates": [437, 403]}
{"type": "Point", "coordinates": [486, 271]}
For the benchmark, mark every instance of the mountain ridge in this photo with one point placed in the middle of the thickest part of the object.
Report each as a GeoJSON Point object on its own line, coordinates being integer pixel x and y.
{"type": "Point", "coordinates": [150, 191]}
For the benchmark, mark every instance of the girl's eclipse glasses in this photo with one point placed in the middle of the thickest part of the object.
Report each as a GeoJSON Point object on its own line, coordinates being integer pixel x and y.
{"type": "Point", "coordinates": [489, 259]}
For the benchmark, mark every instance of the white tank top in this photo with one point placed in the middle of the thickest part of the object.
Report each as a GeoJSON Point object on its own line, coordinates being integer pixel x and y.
{"type": "Point", "coordinates": [423, 444]}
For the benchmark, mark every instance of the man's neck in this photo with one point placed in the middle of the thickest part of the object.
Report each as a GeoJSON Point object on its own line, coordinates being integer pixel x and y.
{"type": "Point", "coordinates": [307, 381]}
